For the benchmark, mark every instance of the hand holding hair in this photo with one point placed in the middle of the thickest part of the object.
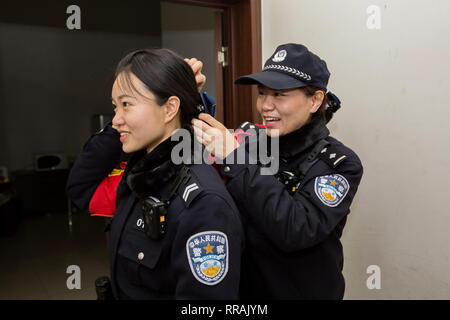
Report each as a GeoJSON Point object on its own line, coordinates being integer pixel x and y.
{"type": "Point", "coordinates": [214, 136]}
{"type": "Point", "coordinates": [197, 66]}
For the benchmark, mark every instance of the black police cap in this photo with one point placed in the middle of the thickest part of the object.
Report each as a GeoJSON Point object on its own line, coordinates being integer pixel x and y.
{"type": "Point", "coordinates": [291, 66]}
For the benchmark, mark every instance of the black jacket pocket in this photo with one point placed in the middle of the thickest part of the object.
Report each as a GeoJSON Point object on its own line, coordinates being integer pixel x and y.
{"type": "Point", "coordinates": [142, 256]}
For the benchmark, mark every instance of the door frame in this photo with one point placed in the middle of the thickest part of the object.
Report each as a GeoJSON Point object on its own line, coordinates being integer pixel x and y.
{"type": "Point", "coordinates": [242, 35]}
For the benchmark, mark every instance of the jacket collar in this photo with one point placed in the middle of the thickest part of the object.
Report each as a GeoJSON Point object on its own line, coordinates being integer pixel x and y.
{"type": "Point", "coordinates": [301, 139]}
{"type": "Point", "coordinates": [149, 174]}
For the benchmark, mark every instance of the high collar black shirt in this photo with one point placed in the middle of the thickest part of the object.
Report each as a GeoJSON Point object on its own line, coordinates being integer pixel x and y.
{"type": "Point", "coordinates": [300, 140]}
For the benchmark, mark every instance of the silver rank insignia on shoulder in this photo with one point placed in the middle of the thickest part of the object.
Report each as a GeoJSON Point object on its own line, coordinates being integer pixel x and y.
{"type": "Point", "coordinates": [331, 156]}
{"type": "Point", "coordinates": [189, 191]}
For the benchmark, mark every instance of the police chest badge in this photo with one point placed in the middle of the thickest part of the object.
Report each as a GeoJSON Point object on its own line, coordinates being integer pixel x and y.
{"type": "Point", "coordinates": [207, 253]}
{"type": "Point", "coordinates": [331, 189]}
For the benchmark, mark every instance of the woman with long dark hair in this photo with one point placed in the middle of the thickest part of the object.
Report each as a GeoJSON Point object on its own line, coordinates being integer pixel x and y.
{"type": "Point", "coordinates": [176, 232]}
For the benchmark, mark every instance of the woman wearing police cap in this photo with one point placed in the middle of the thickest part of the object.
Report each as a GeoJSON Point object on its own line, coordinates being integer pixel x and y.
{"type": "Point", "coordinates": [294, 218]}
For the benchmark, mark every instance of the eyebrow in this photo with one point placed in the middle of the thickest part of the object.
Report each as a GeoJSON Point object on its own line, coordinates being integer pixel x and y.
{"type": "Point", "coordinates": [123, 96]}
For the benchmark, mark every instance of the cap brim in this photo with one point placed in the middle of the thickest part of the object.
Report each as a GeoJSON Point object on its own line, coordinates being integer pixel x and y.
{"type": "Point", "coordinates": [271, 79]}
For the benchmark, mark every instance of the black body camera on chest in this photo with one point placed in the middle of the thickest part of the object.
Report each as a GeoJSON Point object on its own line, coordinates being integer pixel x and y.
{"type": "Point", "coordinates": [154, 214]}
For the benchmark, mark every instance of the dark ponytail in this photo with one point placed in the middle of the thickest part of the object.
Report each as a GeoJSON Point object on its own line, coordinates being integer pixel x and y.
{"type": "Point", "coordinates": [330, 103]}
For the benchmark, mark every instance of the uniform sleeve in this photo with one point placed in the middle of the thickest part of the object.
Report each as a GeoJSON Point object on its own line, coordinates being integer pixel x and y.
{"type": "Point", "coordinates": [207, 250]}
{"type": "Point", "coordinates": [302, 220]}
{"type": "Point", "coordinates": [99, 156]}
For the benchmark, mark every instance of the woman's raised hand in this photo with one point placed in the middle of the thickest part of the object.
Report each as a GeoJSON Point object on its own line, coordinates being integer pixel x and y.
{"type": "Point", "coordinates": [197, 66]}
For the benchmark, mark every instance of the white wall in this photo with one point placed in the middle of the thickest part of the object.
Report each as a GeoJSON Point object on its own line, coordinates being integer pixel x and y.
{"type": "Point", "coordinates": [394, 86]}
{"type": "Point", "coordinates": [189, 31]}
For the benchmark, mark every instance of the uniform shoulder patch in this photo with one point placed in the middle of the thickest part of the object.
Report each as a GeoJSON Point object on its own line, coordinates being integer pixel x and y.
{"type": "Point", "coordinates": [207, 253]}
{"type": "Point", "coordinates": [331, 189]}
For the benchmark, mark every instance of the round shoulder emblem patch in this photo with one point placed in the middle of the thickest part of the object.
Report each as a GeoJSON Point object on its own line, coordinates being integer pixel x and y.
{"type": "Point", "coordinates": [279, 56]}
{"type": "Point", "coordinates": [207, 253]}
{"type": "Point", "coordinates": [331, 189]}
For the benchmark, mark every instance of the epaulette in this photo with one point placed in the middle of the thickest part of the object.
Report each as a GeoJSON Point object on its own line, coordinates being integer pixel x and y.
{"type": "Point", "coordinates": [189, 188]}
{"type": "Point", "coordinates": [332, 156]}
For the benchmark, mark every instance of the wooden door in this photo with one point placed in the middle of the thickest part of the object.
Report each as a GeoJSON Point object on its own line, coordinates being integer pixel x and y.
{"type": "Point", "coordinates": [241, 36]}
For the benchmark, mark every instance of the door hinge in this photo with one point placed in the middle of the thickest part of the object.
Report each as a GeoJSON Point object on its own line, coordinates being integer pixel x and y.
{"type": "Point", "coordinates": [222, 56]}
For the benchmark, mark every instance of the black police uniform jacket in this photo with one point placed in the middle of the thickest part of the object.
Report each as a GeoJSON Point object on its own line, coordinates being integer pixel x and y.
{"type": "Point", "coordinates": [203, 224]}
{"type": "Point", "coordinates": [293, 248]}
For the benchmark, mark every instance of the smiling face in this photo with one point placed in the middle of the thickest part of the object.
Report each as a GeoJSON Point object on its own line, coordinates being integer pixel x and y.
{"type": "Point", "coordinates": [141, 122]}
{"type": "Point", "coordinates": [286, 110]}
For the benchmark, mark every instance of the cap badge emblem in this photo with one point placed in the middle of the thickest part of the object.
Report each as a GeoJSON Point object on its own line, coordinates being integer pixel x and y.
{"type": "Point", "coordinates": [280, 56]}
